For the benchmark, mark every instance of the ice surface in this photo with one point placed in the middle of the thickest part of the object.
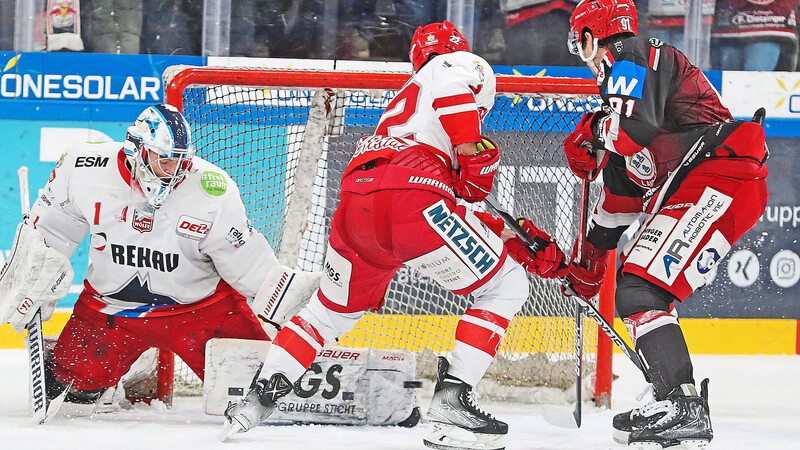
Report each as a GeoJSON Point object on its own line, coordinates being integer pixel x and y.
{"type": "Point", "coordinates": [755, 404]}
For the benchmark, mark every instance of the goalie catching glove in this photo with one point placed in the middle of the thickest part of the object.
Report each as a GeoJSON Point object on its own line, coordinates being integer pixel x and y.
{"type": "Point", "coordinates": [34, 277]}
{"type": "Point", "coordinates": [545, 259]}
{"type": "Point", "coordinates": [586, 278]}
{"type": "Point", "coordinates": [473, 181]}
{"type": "Point", "coordinates": [581, 157]}
{"type": "Point", "coordinates": [284, 293]}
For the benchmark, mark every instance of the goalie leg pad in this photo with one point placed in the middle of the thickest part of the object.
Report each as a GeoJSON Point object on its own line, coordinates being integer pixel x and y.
{"type": "Point", "coordinates": [352, 386]}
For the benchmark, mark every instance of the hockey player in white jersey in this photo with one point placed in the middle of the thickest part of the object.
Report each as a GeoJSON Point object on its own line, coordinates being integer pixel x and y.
{"type": "Point", "coordinates": [399, 207]}
{"type": "Point", "coordinates": [173, 258]}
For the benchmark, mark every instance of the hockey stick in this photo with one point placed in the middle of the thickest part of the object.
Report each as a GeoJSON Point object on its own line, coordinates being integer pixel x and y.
{"type": "Point", "coordinates": [577, 413]}
{"type": "Point", "coordinates": [588, 308]}
{"type": "Point", "coordinates": [42, 409]}
{"type": "Point", "coordinates": [35, 346]}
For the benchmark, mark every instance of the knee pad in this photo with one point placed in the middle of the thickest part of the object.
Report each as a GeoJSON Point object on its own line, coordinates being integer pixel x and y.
{"type": "Point", "coordinates": [329, 324]}
{"type": "Point", "coordinates": [635, 295]}
{"type": "Point", "coordinates": [505, 293]}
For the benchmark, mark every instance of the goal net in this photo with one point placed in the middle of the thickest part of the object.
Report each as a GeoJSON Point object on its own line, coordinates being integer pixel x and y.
{"type": "Point", "coordinates": [285, 137]}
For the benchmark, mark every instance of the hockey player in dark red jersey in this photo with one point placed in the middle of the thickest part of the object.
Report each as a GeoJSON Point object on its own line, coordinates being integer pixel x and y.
{"type": "Point", "coordinates": [668, 148]}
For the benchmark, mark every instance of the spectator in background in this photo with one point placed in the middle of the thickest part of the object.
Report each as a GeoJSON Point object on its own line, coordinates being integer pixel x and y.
{"type": "Point", "coordinates": [533, 30]}
{"type": "Point", "coordinates": [290, 29]}
{"type": "Point", "coordinates": [112, 26]}
{"type": "Point", "coordinates": [666, 19]}
{"type": "Point", "coordinates": [245, 39]}
{"type": "Point", "coordinates": [172, 27]}
{"type": "Point", "coordinates": [754, 35]}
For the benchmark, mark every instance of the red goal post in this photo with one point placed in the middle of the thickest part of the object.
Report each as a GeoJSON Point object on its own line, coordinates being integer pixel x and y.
{"type": "Point", "coordinates": [257, 124]}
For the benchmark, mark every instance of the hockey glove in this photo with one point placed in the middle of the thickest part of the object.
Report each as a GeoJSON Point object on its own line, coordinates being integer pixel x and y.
{"type": "Point", "coordinates": [586, 278]}
{"type": "Point", "coordinates": [494, 223]}
{"type": "Point", "coordinates": [34, 277]}
{"type": "Point", "coordinates": [581, 157]}
{"type": "Point", "coordinates": [547, 262]}
{"type": "Point", "coordinates": [473, 181]}
{"type": "Point", "coordinates": [283, 293]}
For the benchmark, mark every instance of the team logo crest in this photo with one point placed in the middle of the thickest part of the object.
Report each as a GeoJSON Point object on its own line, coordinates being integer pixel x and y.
{"type": "Point", "coordinates": [142, 222]}
{"type": "Point", "coordinates": [707, 260]}
{"type": "Point", "coordinates": [430, 40]}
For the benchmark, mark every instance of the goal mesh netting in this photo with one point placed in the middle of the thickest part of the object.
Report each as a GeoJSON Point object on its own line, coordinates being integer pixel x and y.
{"type": "Point", "coordinates": [285, 137]}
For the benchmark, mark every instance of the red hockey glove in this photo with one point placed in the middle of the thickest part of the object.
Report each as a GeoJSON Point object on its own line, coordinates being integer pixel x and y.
{"type": "Point", "coordinates": [582, 159]}
{"type": "Point", "coordinates": [547, 262]}
{"type": "Point", "coordinates": [474, 180]}
{"type": "Point", "coordinates": [494, 223]}
{"type": "Point", "coordinates": [586, 279]}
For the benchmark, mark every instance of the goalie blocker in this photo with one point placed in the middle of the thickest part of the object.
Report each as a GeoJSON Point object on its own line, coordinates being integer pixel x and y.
{"type": "Point", "coordinates": [344, 385]}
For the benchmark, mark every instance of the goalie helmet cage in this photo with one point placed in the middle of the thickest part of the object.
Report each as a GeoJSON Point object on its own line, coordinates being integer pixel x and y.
{"type": "Point", "coordinates": [285, 137]}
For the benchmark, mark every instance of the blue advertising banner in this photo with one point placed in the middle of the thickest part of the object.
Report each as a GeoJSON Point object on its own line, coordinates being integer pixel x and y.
{"type": "Point", "coordinates": [81, 86]}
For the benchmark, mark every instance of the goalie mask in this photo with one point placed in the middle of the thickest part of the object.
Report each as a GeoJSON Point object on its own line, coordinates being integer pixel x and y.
{"type": "Point", "coordinates": [159, 148]}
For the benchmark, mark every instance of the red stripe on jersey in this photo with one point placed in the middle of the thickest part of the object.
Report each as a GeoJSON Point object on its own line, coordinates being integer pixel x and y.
{"type": "Point", "coordinates": [614, 204]}
{"type": "Point", "coordinates": [489, 316]}
{"type": "Point", "coordinates": [478, 337]}
{"type": "Point", "coordinates": [453, 100]}
{"type": "Point", "coordinates": [308, 328]}
{"type": "Point", "coordinates": [462, 127]}
{"type": "Point", "coordinates": [296, 346]}
{"type": "Point", "coordinates": [654, 56]}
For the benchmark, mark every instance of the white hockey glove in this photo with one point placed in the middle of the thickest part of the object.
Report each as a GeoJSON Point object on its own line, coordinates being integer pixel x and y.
{"type": "Point", "coordinates": [283, 294]}
{"type": "Point", "coordinates": [34, 276]}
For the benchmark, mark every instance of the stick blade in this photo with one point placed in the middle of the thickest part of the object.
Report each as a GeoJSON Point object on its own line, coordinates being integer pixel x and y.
{"type": "Point", "coordinates": [55, 404]}
{"type": "Point", "coordinates": [561, 417]}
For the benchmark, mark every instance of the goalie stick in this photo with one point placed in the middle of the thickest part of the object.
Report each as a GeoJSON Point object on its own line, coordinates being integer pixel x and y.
{"type": "Point", "coordinates": [42, 409]}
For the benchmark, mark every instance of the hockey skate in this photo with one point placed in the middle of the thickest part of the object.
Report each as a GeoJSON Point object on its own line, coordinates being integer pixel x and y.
{"type": "Point", "coordinates": [680, 422]}
{"type": "Point", "coordinates": [256, 406]}
{"type": "Point", "coordinates": [454, 413]}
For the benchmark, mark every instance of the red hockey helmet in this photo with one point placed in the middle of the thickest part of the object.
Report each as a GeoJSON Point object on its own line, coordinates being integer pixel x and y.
{"type": "Point", "coordinates": [440, 38]}
{"type": "Point", "coordinates": [603, 18]}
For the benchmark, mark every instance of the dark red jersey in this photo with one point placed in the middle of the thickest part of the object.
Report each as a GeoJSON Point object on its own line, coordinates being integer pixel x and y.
{"type": "Point", "coordinates": [660, 106]}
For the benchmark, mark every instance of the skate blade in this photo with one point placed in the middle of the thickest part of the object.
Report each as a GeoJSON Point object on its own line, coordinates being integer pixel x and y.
{"type": "Point", "coordinates": [621, 437]}
{"type": "Point", "coordinates": [229, 429]}
{"type": "Point", "coordinates": [689, 444]}
{"type": "Point", "coordinates": [444, 437]}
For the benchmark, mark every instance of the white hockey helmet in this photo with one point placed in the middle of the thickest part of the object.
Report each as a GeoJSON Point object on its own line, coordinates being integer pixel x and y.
{"type": "Point", "coordinates": [159, 147]}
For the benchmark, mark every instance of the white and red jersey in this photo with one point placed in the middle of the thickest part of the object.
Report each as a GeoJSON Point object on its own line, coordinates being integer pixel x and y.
{"type": "Point", "coordinates": [199, 238]}
{"type": "Point", "coordinates": [440, 107]}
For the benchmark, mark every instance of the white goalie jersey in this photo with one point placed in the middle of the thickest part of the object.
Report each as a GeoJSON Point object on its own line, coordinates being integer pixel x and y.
{"type": "Point", "coordinates": [138, 263]}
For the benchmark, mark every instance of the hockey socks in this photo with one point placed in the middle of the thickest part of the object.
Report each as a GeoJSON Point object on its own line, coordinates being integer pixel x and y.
{"type": "Point", "coordinates": [660, 343]}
